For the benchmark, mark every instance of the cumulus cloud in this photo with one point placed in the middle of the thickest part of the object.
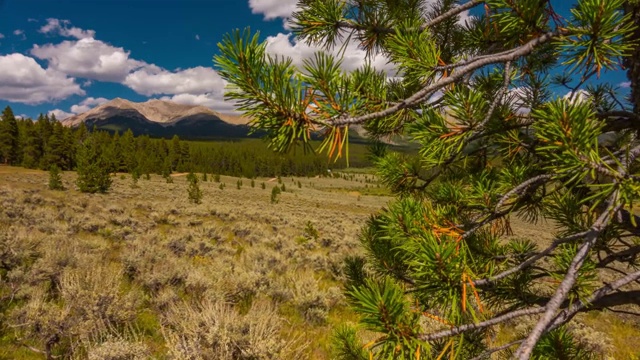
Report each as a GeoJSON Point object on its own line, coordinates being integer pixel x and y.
{"type": "Point", "coordinates": [272, 9]}
{"type": "Point", "coordinates": [23, 80]}
{"type": "Point", "coordinates": [1, 36]}
{"type": "Point", "coordinates": [625, 85]}
{"type": "Point", "coordinates": [211, 100]}
{"type": "Point", "coordinates": [95, 60]}
{"type": "Point", "coordinates": [62, 28]}
{"type": "Point", "coordinates": [579, 96]}
{"type": "Point", "coordinates": [153, 80]}
{"type": "Point", "coordinates": [87, 104]}
{"type": "Point", "coordinates": [287, 45]}
{"type": "Point", "coordinates": [60, 114]}
{"type": "Point", "coordinates": [88, 58]}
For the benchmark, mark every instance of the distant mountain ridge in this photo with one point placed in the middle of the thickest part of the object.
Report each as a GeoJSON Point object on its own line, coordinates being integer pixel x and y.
{"type": "Point", "coordinates": [161, 118]}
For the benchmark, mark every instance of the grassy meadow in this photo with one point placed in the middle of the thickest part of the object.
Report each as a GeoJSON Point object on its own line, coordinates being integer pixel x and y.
{"type": "Point", "coordinates": [142, 273]}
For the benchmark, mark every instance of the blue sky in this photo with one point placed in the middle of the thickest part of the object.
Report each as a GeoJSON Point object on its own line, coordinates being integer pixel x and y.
{"type": "Point", "coordinates": [67, 56]}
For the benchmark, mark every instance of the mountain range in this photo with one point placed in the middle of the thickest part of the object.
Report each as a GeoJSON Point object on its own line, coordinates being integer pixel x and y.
{"type": "Point", "coordinates": [159, 118]}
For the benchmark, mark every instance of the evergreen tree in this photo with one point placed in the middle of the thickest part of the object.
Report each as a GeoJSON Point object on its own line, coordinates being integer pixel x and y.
{"type": "Point", "coordinates": [32, 151]}
{"type": "Point", "coordinates": [92, 167]}
{"type": "Point", "coordinates": [275, 195]}
{"type": "Point", "coordinates": [56, 151]}
{"type": "Point", "coordinates": [494, 142]}
{"type": "Point", "coordinates": [55, 179]}
{"type": "Point", "coordinates": [175, 152]}
{"type": "Point", "coordinates": [135, 177]}
{"type": "Point", "coordinates": [9, 138]}
{"type": "Point", "coordinates": [128, 146]}
{"type": "Point", "coordinates": [194, 192]}
{"type": "Point", "coordinates": [166, 170]}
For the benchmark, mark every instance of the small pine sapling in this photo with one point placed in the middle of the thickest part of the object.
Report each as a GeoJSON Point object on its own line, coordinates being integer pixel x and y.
{"type": "Point", "coordinates": [55, 179]}
{"type": "Point", "coordinates": [275, 195]}
{"type": "Point", "coordinates": [195, 194]}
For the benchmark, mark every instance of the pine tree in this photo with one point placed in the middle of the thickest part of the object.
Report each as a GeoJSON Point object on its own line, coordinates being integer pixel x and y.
{"type": "Point", "coordinates": [9, 138]}
{"type": "Point", "coordinates": [175, 152]}
{"type": "Point", "coordinates": [56, 148]}
{"type": "Point", "coordinates": [92, 167]}
{"type": "Point", "coordinates": [55, 180]}
{"type": "Point", "coordinates": [495, 141]}
{"type": "Point", "coordinates": [195, 194]}
{"type": "Point", "coordinates": [135, 177]}
{"type": "Point", "coordinates": [128, 146]}
{"type": "Point", "coordinates": [32, 152]}
{"type": "Point", "coordinates": [275, 195]}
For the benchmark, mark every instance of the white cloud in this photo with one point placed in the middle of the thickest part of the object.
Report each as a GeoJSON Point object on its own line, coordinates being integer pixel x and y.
{"type": "Point", "coordinates": [60, 114]}
{"type": "Point", "coordinates": [23, 80]}
{"type": "Point", "coordinates": [20, 33]}
{"type": "Point", "coordinates": [152, 80]}
{"type": "Point", "coordinates": [625, 85]}
{"type": "Point", "coordinates": [197, 37]}
{"type": "Point", "coordinates": [273, 8]}
{"type": "Point", "coordinates": [579, 96]}
{"type": "Point", "coordinates": [87, 104]}
{"type": "Point", "coordinates": [61, 27]}
{"type": "Point", "coordinates": [1, 36]}
{"type": "Point", "coordinates": [88, 58]}
{"type": "Point", "coordinates": [211, 100]}
{"type": "Point", "coordinates": [286, 45]}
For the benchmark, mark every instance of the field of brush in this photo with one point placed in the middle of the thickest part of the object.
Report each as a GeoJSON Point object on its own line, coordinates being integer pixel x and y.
{"type": "Point", "coordinates": [143, 273]}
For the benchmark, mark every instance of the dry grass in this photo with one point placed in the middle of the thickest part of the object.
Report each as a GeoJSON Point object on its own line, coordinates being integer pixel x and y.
{"type": "Point", "coordinates": [142, 273]}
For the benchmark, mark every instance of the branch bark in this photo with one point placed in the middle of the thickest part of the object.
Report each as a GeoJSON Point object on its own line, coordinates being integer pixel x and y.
{"type": "Point", "coordinates": [525, 349]}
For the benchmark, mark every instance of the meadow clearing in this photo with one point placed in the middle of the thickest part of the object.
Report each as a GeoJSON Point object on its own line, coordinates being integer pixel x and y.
{"type": "Point", "coordinates": [142, 273]}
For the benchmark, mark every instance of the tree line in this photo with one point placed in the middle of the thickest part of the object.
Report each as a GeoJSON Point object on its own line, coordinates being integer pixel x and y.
{"type": "Point", "coordinates": [46, 142]}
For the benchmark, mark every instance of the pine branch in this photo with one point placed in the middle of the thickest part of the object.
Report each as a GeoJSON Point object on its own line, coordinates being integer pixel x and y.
{"type": "Point", "coordinates": [531, 260]}
{"type": "Point", "coordinates": [572, 310]}
{"type": "Point", "coordinates": [524, 186]}
{"type": "Point", "coordinates": [487, 353]}
{"type": "Point", "coordinates": [624, 255]}
{"type": "Point", "coordinates": [418, 96]}
{"type": "Point", "coordinates": [525, 349]}
{"type": "Point", "coordinates": [491, 322]}
{"type": "Point", "coordinates": [430, 23]}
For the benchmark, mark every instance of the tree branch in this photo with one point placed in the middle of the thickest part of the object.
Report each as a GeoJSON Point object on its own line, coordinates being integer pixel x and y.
{"type": "Point", "coordinates": [525, 349]}
{"type": "Point", "coordinates": [488, 353]}
{"type": "Point", "coordinates": [569, 312]}
{"type": "Point", "coordinates": [417, 97]}
{"type": "Point", "coordinates": [531, 260]}
{"type": "Point", "coordinates": [619, 256]}
{"type": "Point", "coordinates": [493, 321]}
{"type": "Point", "coordinates": [430, 23]}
